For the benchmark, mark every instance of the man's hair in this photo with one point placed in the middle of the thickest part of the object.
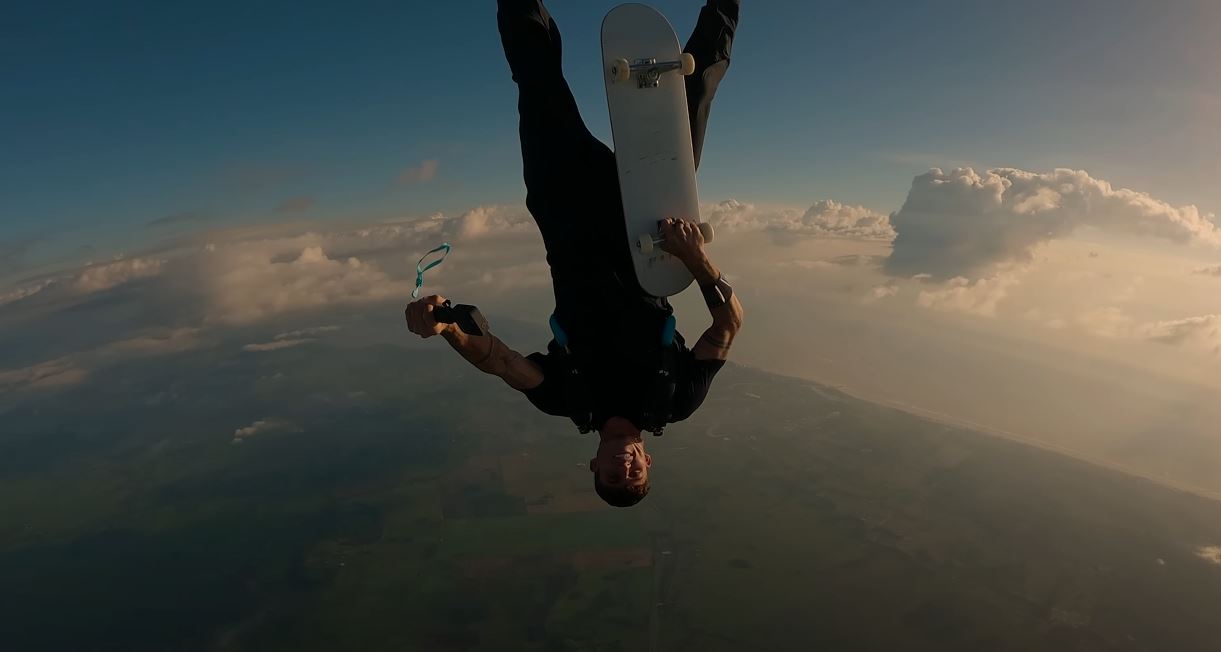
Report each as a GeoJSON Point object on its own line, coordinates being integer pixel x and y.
{"type": "Point", "coordinates": [623, 496]}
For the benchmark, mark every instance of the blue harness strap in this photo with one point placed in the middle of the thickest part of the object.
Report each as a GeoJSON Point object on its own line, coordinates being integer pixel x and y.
{"type": "Point", "coordinates": [419, 271]}
{"type": "Point", "coordinates": [667, 331]}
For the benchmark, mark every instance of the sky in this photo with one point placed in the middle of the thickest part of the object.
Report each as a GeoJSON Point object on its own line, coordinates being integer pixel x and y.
{"type": "Point", "coordinates": [120, 115]}
{"type": "Point", "coordinates": [996, 214]}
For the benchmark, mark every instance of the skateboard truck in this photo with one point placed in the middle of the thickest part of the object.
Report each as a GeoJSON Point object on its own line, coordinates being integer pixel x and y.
{"type": "Point", "coordinates": [647, 242]}
{"type": "Point", "coordinates": [649, 71]}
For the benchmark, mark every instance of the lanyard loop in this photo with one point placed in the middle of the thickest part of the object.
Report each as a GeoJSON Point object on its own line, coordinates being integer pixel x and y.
{"type": "Point", "coordinates": [419, 272]}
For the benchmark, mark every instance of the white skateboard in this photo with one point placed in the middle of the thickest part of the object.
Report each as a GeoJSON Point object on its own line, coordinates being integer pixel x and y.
{"type": "Point", "coordinates": [644, 66]}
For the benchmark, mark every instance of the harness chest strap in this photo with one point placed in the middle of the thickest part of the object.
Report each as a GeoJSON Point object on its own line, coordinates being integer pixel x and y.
{"type": "Point", "coordinates": [661, 393]}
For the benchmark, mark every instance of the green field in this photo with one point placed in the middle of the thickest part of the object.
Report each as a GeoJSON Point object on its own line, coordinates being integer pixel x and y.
{"type": "Point", "coordinates": [404, 502]}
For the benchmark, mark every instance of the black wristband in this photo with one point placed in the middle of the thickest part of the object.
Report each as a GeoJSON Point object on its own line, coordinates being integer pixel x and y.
{"type": "Point", "coordinates": [717, 293]}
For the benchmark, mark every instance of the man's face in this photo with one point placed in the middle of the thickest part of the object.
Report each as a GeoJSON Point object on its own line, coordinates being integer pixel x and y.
{"type": "Point", "coordinates": [621, 462]}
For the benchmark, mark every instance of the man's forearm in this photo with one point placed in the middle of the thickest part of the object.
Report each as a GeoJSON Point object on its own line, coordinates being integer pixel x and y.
{"type": "Point", "coordinates": [475, 349]}
{"type": "Point", "coordinates": [705, 273]}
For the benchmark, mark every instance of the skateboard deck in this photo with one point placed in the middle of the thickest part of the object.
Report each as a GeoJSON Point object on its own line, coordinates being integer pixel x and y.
{"type": "Point", "coordinates": [643, 67]}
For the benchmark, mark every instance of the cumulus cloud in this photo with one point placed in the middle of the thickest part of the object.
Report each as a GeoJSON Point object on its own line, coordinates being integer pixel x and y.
{"type": "Point", "coordinates": [244, 275]}
{"type": "Point", "coordinates": [961, 222]}
{"type": "Point", "coordinates": [1203, 332]}
{"type": "Point", "coordinates": [826, 219]}
{"type": "Point", "coordinates": [87, 280]}
{"type": "Point", "coordinates": [422, 173]}
{"type": "Point", "coordinates": [1209, 554]}
{"type": "Point", "coordinates": [486, 220]}
{"type": "Point", "coordinates": [978, 297]}
{"type": "Point", "coordinates": [882, 291]}
{"type": "Point", "coordinates": [249, 281]}
{"type": "Point", "coordinates": [263, 426]}
{"type": "Point", "coordinates": [105, 276]}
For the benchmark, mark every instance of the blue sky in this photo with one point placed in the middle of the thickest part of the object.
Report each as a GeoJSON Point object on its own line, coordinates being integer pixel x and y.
{"type": "Point", "coordinates": [119, 114]}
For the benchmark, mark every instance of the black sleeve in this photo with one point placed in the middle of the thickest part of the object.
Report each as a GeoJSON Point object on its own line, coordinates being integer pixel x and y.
{"type": "Point", "coordinates": [694, 379]}
{"type": "Point", "coordinates": [549, 395]}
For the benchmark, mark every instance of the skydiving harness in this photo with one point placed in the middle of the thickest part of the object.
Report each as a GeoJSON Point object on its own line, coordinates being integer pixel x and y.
{"type": "Point", "coordinates": [659, 402]}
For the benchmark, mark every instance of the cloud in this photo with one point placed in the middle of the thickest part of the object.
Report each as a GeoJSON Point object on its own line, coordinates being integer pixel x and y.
{"type": "Point", "coordinates": [295, 205]}
{"type": "Point", "coordinates": [172, 341]}
{"type": "Point", "coordinates": [263, 426]}
{"type": "Point", "coordinates": [1203, 332]}
{"type": "Point", "coordinates": [245, 282]}
{"type": "Point", "coordinates": [105, 276]}
{"type": "Point", "coordinates": [52, 374]}
{"type": "Point", "coordinates": [276, 345]}
{"type": "Point", "coordinates": [242, 275]}
{"type": "Point", "coordinates": [71, 369]}
{"type": "Point", "coordinates": [961, 222]}
{"type": "Point", "coordinates": [487, 220]}
{"type": "Point", "coordinates": [826, 219]}
{"type": "Point", "coordinates": [882, 291]}
{"type": "Point", "coordinates": [424, 172]}
{"type": "Point", "coordinates": [182, 217]}
{"type": "Point", "coordinates": [1210, 554]}
{"type": "Point", "coordinates": [962, 295]}
{"type": "Point", "coordinates": [291, 339]}
{"type": "Point", "coordinates": [307, 332]}
{"type": "Point", "coordinates": [17, 294]}
{"type": "Point", "coordinates": [1208, 270]}
{"type": "Point", "coordinates": [87, 280]}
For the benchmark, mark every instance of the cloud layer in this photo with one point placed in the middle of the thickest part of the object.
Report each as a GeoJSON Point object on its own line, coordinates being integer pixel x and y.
{"type": "Point", "coordinates": [87, 280]}
{"type": "Point", "coordinates": [961, 222]}
{"type": "Point", "coordinates": [826, 218]}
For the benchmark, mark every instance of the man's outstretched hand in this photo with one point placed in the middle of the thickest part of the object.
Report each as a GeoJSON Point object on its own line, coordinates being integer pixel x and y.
{"type": "Point", "coordinates": [420, 319]}
{"type": "Point", "coordinates": [683, 239]}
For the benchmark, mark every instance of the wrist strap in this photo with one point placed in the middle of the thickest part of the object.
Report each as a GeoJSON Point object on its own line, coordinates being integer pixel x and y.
{"type": "Point", "coordinates": [717, 293]}
{"type": "Point", "coordinates": [419, 271]}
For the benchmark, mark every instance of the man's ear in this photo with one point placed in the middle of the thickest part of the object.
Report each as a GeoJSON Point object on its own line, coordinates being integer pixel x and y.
{"type": "Point", "coordinates": [648, 460]}
{"type": "Point", "coordinates": [591, 464]}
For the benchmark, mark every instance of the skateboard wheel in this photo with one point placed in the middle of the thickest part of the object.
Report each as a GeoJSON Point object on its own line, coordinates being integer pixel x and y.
{"type": "Point", "coordinates": [688, 64]}
{"type": "Point", "coordinates": [707, 231]}
{"type": "Point", "coordinates": [645, 242]}
{"type": "Point", "coordinates": [621, 70]}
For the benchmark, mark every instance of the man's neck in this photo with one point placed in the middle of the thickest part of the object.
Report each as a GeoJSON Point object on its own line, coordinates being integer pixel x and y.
{"type": "Point", "coordinates": [617, 428]}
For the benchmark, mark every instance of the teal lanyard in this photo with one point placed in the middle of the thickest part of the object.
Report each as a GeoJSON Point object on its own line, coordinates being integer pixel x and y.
{"type": "Point", "coordinates": [419, 271]}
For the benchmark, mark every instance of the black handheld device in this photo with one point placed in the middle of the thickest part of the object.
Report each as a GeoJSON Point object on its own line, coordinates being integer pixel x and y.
{"type": "Point", "coordinates": [468, 318]}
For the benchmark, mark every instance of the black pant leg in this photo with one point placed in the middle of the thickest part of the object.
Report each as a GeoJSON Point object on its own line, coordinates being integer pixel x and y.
{"type": "Point", "coordinates": [710, 44]}
{"type": "Point", "coordinates": [565, 167]}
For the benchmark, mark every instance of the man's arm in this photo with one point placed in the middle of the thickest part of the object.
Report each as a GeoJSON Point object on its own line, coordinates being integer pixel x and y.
{"type": "Point", "coordinates": [726, 319]}
{"type": "Point", "coordinates": [490, 355]}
